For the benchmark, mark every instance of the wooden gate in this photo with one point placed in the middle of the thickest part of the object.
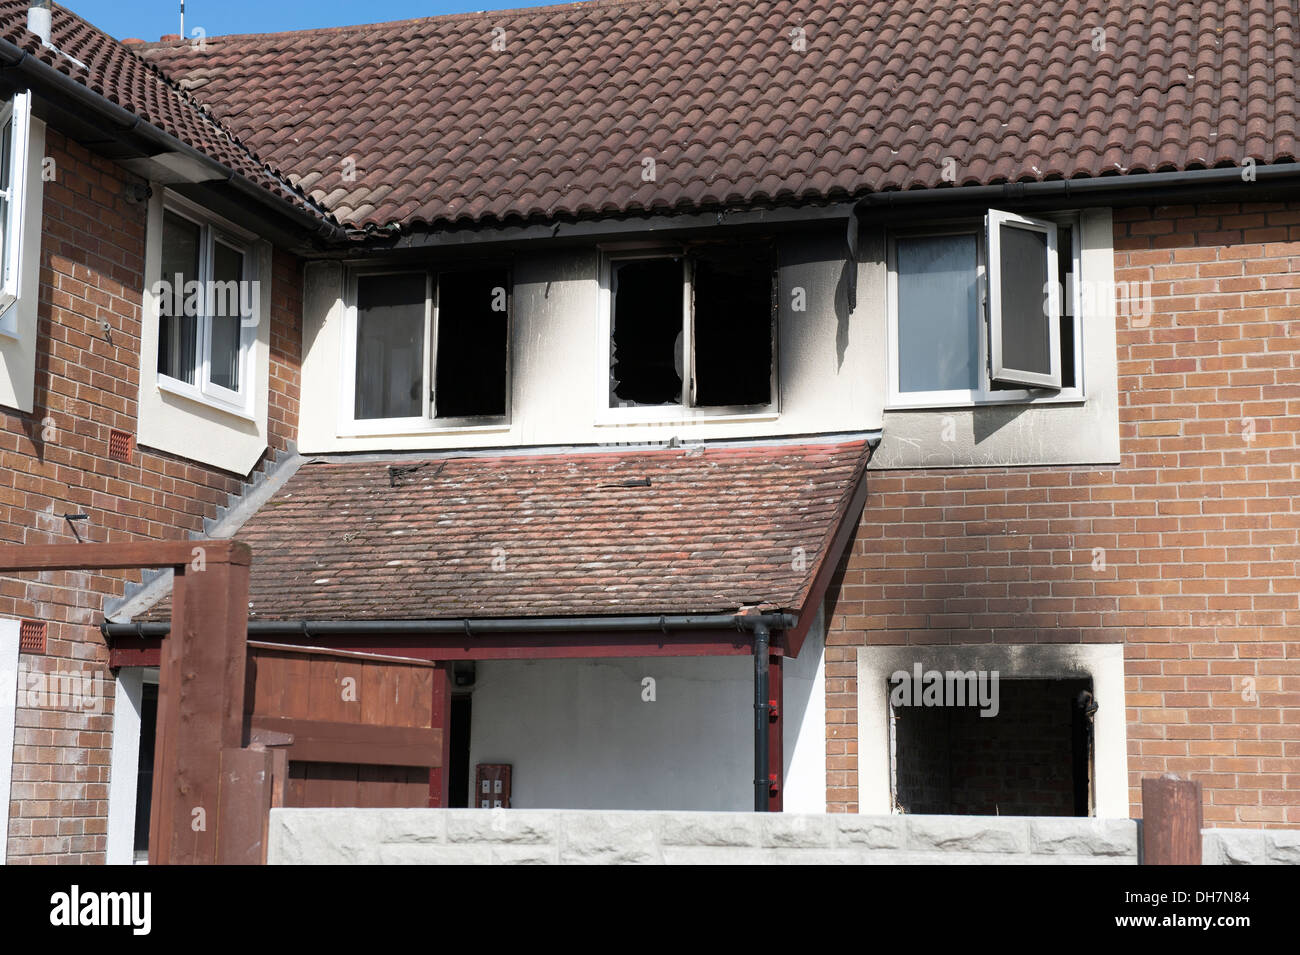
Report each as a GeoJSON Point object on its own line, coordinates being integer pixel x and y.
{"type": "Point", "coordinates": [348, 729]}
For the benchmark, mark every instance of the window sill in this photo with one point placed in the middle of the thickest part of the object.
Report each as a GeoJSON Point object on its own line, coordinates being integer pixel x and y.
{"type": "Point", "coordinates": [400, 429]}
{"type": "Point", "coordinates": [668, 415]}
{"type": "Point", "coordinates": [965, 404]}
{"type": "Point", "coordinates": [189, 392]}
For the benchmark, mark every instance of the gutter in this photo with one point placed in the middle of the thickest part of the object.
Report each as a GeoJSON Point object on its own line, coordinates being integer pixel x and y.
{"type": "Point", "coordinates": [470, 627]}
{"type": "Point", "coordinates": [128, 125]}
{"type": "Point", "coordinates": [1092, 188]}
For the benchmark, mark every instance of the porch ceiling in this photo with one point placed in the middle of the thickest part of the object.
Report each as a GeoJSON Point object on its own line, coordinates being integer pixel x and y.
{"type": "Point", "coordinates": [707, 529]}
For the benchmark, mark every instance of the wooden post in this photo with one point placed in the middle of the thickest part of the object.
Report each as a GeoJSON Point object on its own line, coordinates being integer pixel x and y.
{"type": "Point", "coordinates": [440, 775]}
{"type": "Point", "coordinates": [1171, 821]}
{"type": "Point", "coordinates": [206, 785]}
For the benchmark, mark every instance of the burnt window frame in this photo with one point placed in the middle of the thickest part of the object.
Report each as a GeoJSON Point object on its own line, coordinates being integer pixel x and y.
{"type": "Point", "coordinates": [988, 391]}
{"type": "Point", "coordinates": [428, 421]}
{"type": "Point", "coordinates": [608, 410]}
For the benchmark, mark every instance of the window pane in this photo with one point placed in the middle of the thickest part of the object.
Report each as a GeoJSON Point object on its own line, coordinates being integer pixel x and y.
{"type": "Point", "coordinates": [472, 328]}
{"type": "Point", "coordinates": [1026, 338]}
{"type": "Point", "coordinates": [645, 352]}
{"type": "Point", "coordinates": [732, 293]}
{"type": "Point", "coordinates": [938, 313]}
{"type": "Point", "coordinates": [227, 274]}
{"type": "Point", "coordinates": [390, 346]}
{"type": "Point", "coordinates": [179, 312]}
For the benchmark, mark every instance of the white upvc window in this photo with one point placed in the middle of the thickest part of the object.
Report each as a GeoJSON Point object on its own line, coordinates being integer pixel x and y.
{"type": "Point", "coordinates": [15, 125]}
{"type": "Point", "coordinates": [985, 313]}
{"type": "Point", "coordinates": [426, 350]}
{"type": "Point", "coordinates": [208, 299]}
{"type": "Point", "coordinates": [687, 332]}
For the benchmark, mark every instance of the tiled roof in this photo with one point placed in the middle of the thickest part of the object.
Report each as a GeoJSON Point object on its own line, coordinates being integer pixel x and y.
{"type": "Point", "coordinates": [115, 72]}
{"type": "Point", "coordinates": [572, 534]}
{"type": "Point", "coordinates": [423, 122]}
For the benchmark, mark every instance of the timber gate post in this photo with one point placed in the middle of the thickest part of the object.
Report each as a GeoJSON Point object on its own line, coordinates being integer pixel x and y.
{"type": "Point", "coordinates": [1171, 821]}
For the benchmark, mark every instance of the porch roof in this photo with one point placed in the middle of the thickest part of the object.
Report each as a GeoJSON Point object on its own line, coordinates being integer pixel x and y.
{"type": "Point", "coordinates": [686, 530]}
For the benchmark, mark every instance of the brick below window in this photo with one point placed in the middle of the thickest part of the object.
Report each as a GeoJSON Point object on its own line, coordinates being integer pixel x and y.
{"type": "Point", "coordinates": [31, 636]}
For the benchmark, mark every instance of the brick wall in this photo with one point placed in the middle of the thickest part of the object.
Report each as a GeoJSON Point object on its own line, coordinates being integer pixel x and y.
{"type": "Point", "coordinates": [55, 461]}
{"type": "Point", "coordinates": [1198, 527]}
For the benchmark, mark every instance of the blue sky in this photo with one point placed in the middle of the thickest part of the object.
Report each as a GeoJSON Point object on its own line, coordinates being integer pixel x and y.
{"type": "Point", "coordinates": [150, 19]}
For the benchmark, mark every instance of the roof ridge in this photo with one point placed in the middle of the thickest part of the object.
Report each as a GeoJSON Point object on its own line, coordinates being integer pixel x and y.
{"type": "Point", "coordinates": [577, 6]}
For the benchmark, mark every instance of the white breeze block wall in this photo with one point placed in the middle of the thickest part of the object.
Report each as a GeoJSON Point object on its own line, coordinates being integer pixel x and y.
{"type": "Point", "coordinates": [1250, 847]}
{"type": "Point", "coordinates": [510, 836]}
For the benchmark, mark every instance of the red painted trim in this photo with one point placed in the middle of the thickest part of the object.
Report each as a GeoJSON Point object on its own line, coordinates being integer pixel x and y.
{"type": "Point", "coordinates": [846, 525]}
{"type": "Point", "coordinates": [134, 651]}
{"type": "Point", "coordinates": [776, 742]}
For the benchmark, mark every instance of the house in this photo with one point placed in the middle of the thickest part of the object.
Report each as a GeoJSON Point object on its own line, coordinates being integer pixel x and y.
{"type": "Point", "coordinates": [661, 380]}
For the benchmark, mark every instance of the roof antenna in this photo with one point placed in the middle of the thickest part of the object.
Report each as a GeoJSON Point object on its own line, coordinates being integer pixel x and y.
{"type": "Point", "coordinates": [182, 19]}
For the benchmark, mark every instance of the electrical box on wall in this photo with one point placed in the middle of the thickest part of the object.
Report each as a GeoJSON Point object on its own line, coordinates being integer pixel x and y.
{"type": "Point", "coordinates": [492, 785]}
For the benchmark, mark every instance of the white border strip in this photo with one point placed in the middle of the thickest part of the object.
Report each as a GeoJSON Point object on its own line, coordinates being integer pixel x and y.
{"type": "Point", "coordinates": [8, 715]}
{"type": "Point", "coordinates": [124, 771]}
{"type": "Point", "coordinates": [1104, 663]}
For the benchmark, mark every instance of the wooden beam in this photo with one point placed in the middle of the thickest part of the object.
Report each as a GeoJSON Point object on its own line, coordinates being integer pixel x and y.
{"type": "Point", "coordinates": [319, 741]}
{"type": "Point", "coordinates": [126, 556]}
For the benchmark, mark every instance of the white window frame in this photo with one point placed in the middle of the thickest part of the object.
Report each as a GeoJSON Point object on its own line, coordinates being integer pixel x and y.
{"type": "Point", "coordinates": [985, 394]}
{"type": "Point", "coordinates": [16, 113]}
{"type": "Point", "coordinates": [212, 230]}
{"type": "Point", "coordinates": [607, 414]}
{"type": "Point", "coordinates": [426, 423]}
{"type": "Point", "coordinates": [999, 371]}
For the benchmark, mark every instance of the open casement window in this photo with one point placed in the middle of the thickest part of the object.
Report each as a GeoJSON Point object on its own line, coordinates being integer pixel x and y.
{"type": "Point", "coordinates": [1024, 301]}
{"type": "Point", "coordinates": [694, 330]}
{"type": "Point", "coordinates": [429, 349]}
{"type": "Point", "coordinates": [207, 311]}
{"type": "Point", "coordinates": [15, 122]}
{"type": "Point", "coordinates": [974, 319]}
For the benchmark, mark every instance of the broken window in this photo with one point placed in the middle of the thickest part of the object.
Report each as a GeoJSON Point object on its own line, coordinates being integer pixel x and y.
{"type": "Point", "coordinates": [471, 354]}
{"type": "Point", "coordinates": [695, 331]}
{"type": "Point", "coordinates": [732, 297]}
{"type": "Point", "coordinates": [1031, 755]}
{"type": "Point", "coordinates": [418, 362]}
{"type": "Point", "coordinates": [645, 342]}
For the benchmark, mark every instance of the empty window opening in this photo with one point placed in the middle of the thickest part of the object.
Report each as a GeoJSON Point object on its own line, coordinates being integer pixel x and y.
{"type": "Point", "coordinates": [144, 761]}
{"type": "Point", "coordinates": [1033, 758]}
{"type": "Point", "coordinates": [458, 769]}
{"type": "Point", "coordinates": [471, 352]}
{"type": "Point", "coordinates": [732, 299]}
{"type": "Point", "coordinates": [391, 319]}
{"type": "Point", "coordinates": [645, 350]}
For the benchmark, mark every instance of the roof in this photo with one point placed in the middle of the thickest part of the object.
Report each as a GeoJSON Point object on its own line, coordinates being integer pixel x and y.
{"type": "Point", "coordinates": [736, 108]}
{"type": "Point", "coordinates": [106, 67]}
{"type": "Point", "coordinates": [715, 529]}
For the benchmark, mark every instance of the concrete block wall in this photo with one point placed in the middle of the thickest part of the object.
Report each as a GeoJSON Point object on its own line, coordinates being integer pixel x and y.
{"type": "Point", "coordinates": [1250, 847]}
{"type": "Point", "coordinates": [503, 837]}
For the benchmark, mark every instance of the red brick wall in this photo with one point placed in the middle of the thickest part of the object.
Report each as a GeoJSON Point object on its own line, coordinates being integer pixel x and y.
{"type": "Point", "coordinates": [55, 461]}
{"type": "Point", "coordinates": [1199, 525]}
